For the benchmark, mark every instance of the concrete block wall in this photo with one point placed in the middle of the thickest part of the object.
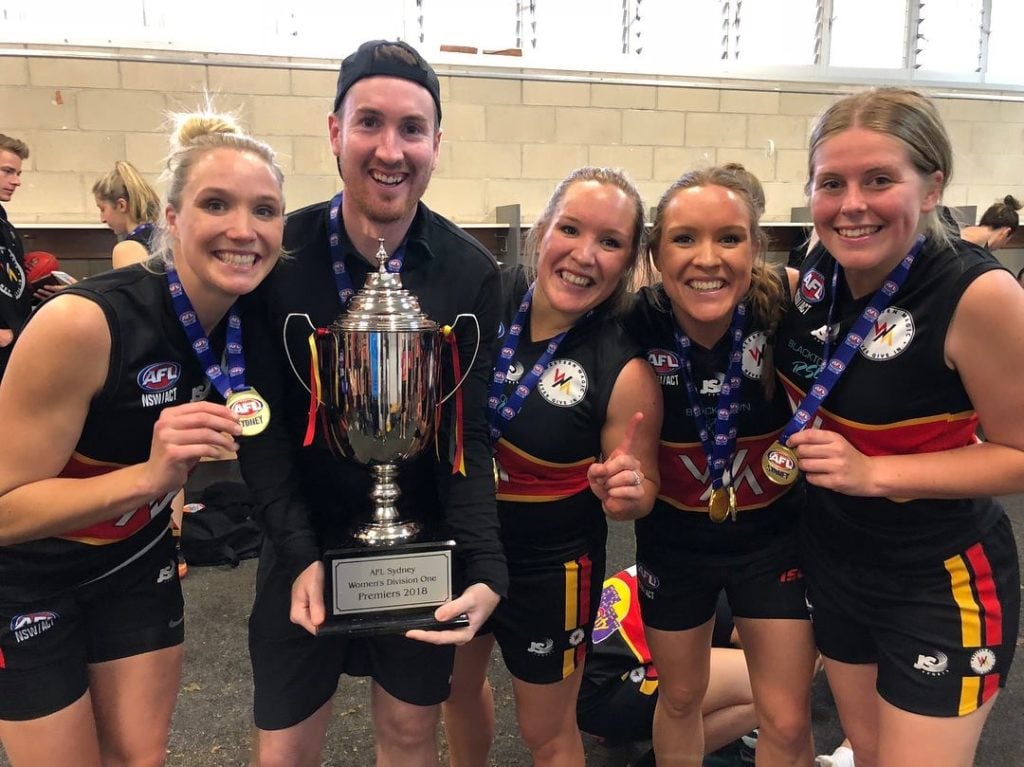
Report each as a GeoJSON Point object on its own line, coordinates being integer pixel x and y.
{"type": "Point", "coordinates": [506, 140]}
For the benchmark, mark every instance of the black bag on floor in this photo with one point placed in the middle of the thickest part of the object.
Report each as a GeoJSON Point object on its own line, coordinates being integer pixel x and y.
{"type": "Point", "coordinates": [223, 532]}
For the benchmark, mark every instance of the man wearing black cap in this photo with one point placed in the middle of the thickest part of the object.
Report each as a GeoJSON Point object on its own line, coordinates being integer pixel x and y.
{"type": "Point", "coordinates": [15, 293]}
{"type": "Point", "coordinates": [385, 133]}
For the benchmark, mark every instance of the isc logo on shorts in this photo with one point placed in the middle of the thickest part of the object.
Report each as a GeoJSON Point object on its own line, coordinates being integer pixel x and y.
{"type": "Point", "coordinates": [932, 665]}
{"type": "Point", "coordinates": [543, 647]}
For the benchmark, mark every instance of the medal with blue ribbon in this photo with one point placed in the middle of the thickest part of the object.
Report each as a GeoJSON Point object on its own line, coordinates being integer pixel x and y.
{"type": "Point", "coordinates": [779, 461]}
{"type": "Point", "coordinates": [342, 280]}
{"type": "Point", "coordinates": [244, 401]}
{"type": "Point", "coordinates": [720, 444]}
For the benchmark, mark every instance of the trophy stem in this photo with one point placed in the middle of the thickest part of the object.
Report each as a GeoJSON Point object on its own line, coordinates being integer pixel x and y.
{"type": "Point", "coordinates": [385, 528]}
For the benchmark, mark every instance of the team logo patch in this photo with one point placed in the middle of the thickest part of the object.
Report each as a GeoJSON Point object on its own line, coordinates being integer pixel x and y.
{"type": "Point", "coordinates": [647, 578]}
{"type": "Point", "coordinates": [932, 665]}
{"type": "Point", "coordinates": [889, 335]}
{"type": "Point", "coordinates": [563, 383]}
{"type": "Point", "coordinates": [160, 376]}
{"type": "Point", "coordinates": [983, 661]}
{"type": "Point", "coordinates": [12, 275]}
{"type": "Point", "coordinates": [29, 625]}
{"type": "Point", "coordinates": [753, 354]}
{"type": "Point", "coordinates": [576, 637]}
{"type": "Point", "coordinates": [663, 361]}
{"type": "Point", "coordinates": [812, 286]}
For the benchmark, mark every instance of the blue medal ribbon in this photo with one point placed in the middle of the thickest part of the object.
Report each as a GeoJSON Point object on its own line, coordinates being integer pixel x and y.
{"type": "Point", "coordinates": [231, 381]}
{"type": "Point", "coordinates": [502, 412]}
{"type": "Point", "coordinates": [833, 367]}
{"type": "Point", "coordinates": [720, 446]}
{"type": "Point", "coordinates": [341, 277]}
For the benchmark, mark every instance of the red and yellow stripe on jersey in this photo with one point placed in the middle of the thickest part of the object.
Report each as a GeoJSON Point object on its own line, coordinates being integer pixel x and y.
{"type": "Point", "coordinates": [981, 620]}
{"type": "Point", "coordinates": [118, 528]}
{"type": "Point", "coordinates": [928, 434]}
{"type": "Point", "coordinates": [578, 573]}
{"type": "Point", "coordinates": [526, 478]}
{"type": "Point", "coordinates": [686, 481]}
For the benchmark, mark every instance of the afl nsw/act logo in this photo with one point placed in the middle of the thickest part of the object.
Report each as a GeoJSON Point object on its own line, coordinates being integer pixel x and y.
{"type": "Point", "coordinates": [888, 335]}
{"type": "Point", "coordinates": [159, 376]}
{"type": "Point", "coordinates": [753, 354]}
{"type": "Point", "coordinates": [812, 286]}
{"type": "Point", "coordinates": [563, 383]}
{"type": "Point", "coordinates": [663, 361]}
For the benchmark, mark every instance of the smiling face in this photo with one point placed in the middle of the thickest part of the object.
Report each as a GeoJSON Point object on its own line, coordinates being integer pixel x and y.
{"type": "Point", "coordinates": [387, 146]}
{"type": "Point", "coordinates": [226, 232]}
{"type": "Point", "coordinates": [867, 200]}
{"type": "Point", "coordinates": [706, 258]}
{"type": "Point", "coordinates": [114, 214]}
{"type": "Point", "coordinates": [584, 252]}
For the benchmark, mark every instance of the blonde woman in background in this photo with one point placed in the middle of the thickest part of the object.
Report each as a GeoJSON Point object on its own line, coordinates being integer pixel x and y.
{"type": "Point", "coordinates": [131, 208]}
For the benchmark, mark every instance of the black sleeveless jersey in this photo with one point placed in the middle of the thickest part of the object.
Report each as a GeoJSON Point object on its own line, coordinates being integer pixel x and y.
{"type": "Point", "coordinates": [681, 510]}
{"type": "Point", "coordinates": [897, 396]}
{"type": "Point", "coordinates": [152, 366]}
{"type": "Point", "coordinates": [143, 234]}
{"type": "Point", "coordinates": [545, 504]}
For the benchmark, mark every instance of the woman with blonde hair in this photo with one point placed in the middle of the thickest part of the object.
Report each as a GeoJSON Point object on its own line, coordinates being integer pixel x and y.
{"type": "Point", "coordinates": [131, 208]}
{"type": "Point", "coordinates": [903, 341]}
{"type": "Point", "coordinates": [105, 412]}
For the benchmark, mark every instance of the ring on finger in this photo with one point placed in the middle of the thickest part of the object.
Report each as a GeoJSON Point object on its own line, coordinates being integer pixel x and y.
{"type": "Point", "coordinates": [637, 479]}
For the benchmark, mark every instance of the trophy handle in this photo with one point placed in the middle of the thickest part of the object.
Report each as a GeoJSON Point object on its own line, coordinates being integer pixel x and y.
{"type": "Point", "coordinates": [476, 351]}
{"type": "Point", "coordinates": [288, 352]}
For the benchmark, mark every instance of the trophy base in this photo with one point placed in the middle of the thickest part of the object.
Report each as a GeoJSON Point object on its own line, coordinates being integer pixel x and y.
{"type": "Point", "coordinates": [387, 589]}
{"type": "Point", "coordinates": [387, 623]}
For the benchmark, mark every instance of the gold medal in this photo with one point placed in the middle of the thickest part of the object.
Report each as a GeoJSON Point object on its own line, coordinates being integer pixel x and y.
{"type": "Point", "coordinates": [780, 465]}
{"type": "Point", "coordinates": [252, 410]}
{"type": "Point", "coordinates": [732, 503]}
{"type": "Point", "coordinates": [718, 504]}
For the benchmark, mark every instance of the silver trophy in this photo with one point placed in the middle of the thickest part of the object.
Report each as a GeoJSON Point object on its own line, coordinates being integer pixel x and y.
{"type": "Point", "coordinates": [380, 374]}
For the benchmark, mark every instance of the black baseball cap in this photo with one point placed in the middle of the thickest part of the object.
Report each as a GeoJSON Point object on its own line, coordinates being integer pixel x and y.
{"type": "Point", "coordinates": [367, 61]}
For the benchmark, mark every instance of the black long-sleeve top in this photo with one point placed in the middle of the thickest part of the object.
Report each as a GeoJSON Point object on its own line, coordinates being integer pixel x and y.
{"type": "Point", "coordinates": [310, 498]}
{"type": "Point", "coordinates": [15, 291]}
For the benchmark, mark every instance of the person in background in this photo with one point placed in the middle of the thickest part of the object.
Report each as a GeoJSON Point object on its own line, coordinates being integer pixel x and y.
{"type": "Point", "coordinates": [15, 295]}
{"type": "Point", "coordinates": [997, 225]}
{"type": "Point", "coordinates": [91, 613]}
{"type": "Point", "coordinates": [722, 520]}
{"type": "Point", "coordinates": [620, 682]}
{"type": "Point", "coordinates": [131, 208]}
{"type": "Point", "coordinates": [385, 133]}
{"type": "Point", "coordinates": [567, 369]}
{"type": "Point", "coordinates": [900, 342]}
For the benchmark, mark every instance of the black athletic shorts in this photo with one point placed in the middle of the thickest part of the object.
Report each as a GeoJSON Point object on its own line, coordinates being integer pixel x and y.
{"type": "Point", "coordinates": [46, 646]}
{"type": "Point", "coordinates": [545, 624]}
{"type": "Point", "coordinates": [679, 591]}
{"type": "Point", "coordinates": [295, 673]}
{"type": "Point", "coordinates": [943, 634]}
